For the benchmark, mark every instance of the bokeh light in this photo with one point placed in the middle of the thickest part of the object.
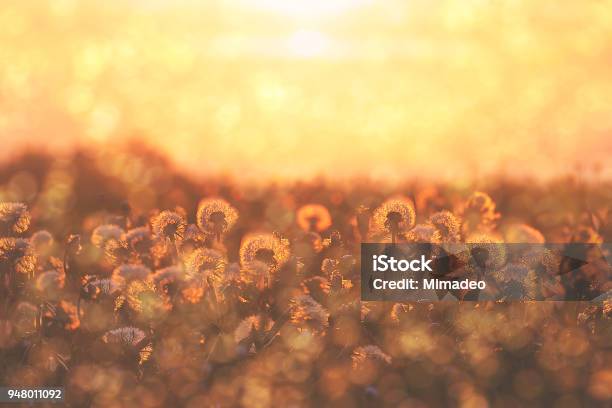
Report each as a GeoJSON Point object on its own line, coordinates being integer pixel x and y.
{"type": "Point", "coordinates": [278, 89]}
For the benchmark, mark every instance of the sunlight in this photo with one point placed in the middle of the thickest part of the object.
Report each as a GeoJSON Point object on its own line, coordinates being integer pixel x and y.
{"type": "Point", "coordinates": [305, 9]}
{"type": "Point", "coordinates": [307, 44]}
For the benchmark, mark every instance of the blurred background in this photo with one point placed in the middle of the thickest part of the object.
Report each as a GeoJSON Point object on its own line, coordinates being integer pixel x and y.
{"type": "Point", "coordinates": [285, 89]}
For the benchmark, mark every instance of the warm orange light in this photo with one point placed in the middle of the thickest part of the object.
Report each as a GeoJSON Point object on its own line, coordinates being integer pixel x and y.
{"type": "Point", "coordinates": [304, 9]}
{"type": "Point", "coordinates": [282, 89]}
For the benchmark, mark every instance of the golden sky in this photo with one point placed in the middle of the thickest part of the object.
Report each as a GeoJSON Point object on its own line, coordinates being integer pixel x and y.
{"type": "Point", "coordinates": [282, 88]}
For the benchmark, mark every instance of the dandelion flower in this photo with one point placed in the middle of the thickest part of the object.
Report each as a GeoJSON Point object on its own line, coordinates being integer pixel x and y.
{"type": "Point", "coordinates": [307, 313]}
{"type": "Point", "coordinates": [105, 233]}
{"type": "Point", "coordinates": [479, 213]}
{"type": "Point", "coordinates": [142, 297]}
{"type": "Point", "coordinates": [117, 251]}
{"type": "Point", "coordinates": [18, 253]}
{"type": "Point", "coordinates": [543, 262]}
{"type": "Point", "coordinates": [517, 282]}
{"type": "Point", "coordinates": [394, 216]}
{"type": "Point", "coordinates": [216, 216]}
{"type": "Point", "coordinates": [487, 251]}
{"type": "Point", "coordinates": [205, 263]}
{"type": "Point", "coordinates": [447, 224]}
{"type": "Point", "coordinates": [265, 248]}
{"type": "Point", "coordinates": [314, 217]}
{"type": "Point", "coordinates": [169, 225]}
{"type": "Point", "coordinates": [14, 218]}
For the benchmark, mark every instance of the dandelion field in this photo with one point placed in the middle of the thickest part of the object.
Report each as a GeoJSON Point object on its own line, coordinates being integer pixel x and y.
{"type": "Point", "coordinates": [221, 294]}
{"type": "Point", "coordinates": [185, 188]}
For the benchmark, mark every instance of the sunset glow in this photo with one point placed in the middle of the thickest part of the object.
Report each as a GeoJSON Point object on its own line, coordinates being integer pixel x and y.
{"type": "Point", "coordinates": [278, 88]}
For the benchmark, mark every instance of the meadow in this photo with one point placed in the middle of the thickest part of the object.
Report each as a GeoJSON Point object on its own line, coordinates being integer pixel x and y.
{"type": "Point", "coordinates": [131, 283]}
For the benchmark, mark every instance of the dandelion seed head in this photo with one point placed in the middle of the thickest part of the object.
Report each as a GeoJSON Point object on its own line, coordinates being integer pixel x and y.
{"type": "Point", "coordinates": [142, 297]}
{"type": "Point", "coordinates": [18, 253]}
{"type": "Point", "coordinates": [395, 215]}
{"type": "Point", "coordinates": [265, 248]}
{"type": "Point", "coordinates": [543, 262]}
{"type": "Point", "coordinates": [205, 263]}
{"type": "Point", "coordinates": [169, 225]}
{"type": "Point", "coordinates": [447, 224]}
{"type": "Point", "coordinates": [307, 313]}
{"type": "Point", "coordinates": [104, 233]}
{"type": "Point", "coordinates": [314, 217]}
{"type": "Point", "coordinates": [117, 251]}
{"type": "Point", "coordinates": [14, 218]}
{"type": "Point", "coordinates": [216, 216]}
{"type": "Point", "coordinates": [487, 251]}
{"type": "Point", "coordinates": [517, 274]}
{"type": "Point", "coordinates": [126, 336]}
{"type": "Point", "coordinates": [479, 213]}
